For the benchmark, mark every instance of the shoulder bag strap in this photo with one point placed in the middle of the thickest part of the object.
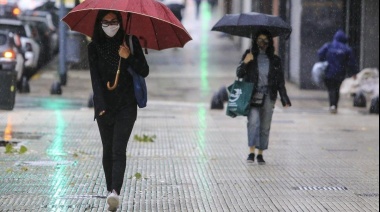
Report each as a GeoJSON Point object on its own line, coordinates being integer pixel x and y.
{"type": "Point", "coordinates": [131, 44]}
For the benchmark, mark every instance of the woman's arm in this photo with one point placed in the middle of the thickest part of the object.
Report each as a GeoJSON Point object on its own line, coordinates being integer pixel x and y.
{"type": "Point", "coordinates": [137, 60]}
{"type": "Point", "coordinates": [241, 71]}
{"type": "Point", "coordinates": [99, 101]}
{"type": "Point", "coordinates": [322, 52]}
{"type": "Point", "coordinates": [281, 84]}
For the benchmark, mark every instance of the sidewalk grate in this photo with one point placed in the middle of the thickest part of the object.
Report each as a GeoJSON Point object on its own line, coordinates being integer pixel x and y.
{"type": "Point", "coordinates": [47, 163]}
{"type": "Point", "coordinates": [86, 207]}
{"type": "Point", "coordinates": [342, 150]}
{"type": "Point", "coordinates": [4, 143]}
{"type": "Point", "coordinates": [50, 103]}
{"type": "Point", "coordinates": [321, 188]}
{"type": "Point", "coordinates": [284, 121]}
{"type": "Point", "coordinates": [156, 117]}
{"type": "Point", "coordinates": [83, 197]}
{"type": "Point", "coordinates": [349, 130]}
{"type": "Point", "coordinates": [369, 195]}
{"type": "Point", "coordinates": [23, 136]}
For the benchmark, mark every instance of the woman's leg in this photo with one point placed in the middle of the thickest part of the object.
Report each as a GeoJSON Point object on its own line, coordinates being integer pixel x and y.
{"type": "Point", "coordinates": [333, 89]}
{"type": "Point", "coordinates": [338, 84]}
{"type": "Point", "coordinates": [253, 128]}
{"type": "Point", "coordinates": [106, 134]}
{"type": "Point", "coordinates": [125, 121]}
{"type": "Point", "coordinates": [266, 115]}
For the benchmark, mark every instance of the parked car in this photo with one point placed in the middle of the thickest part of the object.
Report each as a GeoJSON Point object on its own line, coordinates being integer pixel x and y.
{"type": "Point", "coordinates": [11, 55]}
{"type": "Point", "coordinates": [50, 6]}
{"type": "Point", "coordinates": [30, 4]}
{"type": "Point", "coordinates": [44, 23]}
{"type": "Point", "coordinates": [9, 9]}
{"type": "Point", "coordinates": [30, 40]}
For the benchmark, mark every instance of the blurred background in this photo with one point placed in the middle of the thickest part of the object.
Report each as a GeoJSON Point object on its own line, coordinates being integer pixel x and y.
{"type": "Point", "coordinates": [31, 35]}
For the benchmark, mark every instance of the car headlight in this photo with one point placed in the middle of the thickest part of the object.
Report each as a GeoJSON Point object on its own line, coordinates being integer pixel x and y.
{"type": "Point", "coordinates": [16, 11]}
{"type": "Point", "coordinates": [9, 54]}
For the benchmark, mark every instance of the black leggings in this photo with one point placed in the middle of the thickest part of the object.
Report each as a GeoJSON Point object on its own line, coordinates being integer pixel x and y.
{"type": "Point", "coordinates": [115, 132]}
{"type": "Point", "coordinates": [333, 87]}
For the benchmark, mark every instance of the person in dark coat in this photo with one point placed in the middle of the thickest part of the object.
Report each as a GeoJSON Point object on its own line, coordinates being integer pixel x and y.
{"type": "Point", "coordinates": [198, 8]}
{"type": "Point", "coordinates": [262, 67]}
{"type": "Point", "coordinates": [342, 64]}
{"type": "Point", "coordinates": [177, 10]}
{"type": "Point", "coordinates": [115, 110]}
{"type": "Point", "coordinates": [177, 7]}
{"type": "Point", "coordinates": [213, 4]}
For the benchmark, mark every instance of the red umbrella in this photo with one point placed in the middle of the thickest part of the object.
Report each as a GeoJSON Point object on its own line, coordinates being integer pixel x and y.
{"type": "Point", "coordinates": [149, 20]}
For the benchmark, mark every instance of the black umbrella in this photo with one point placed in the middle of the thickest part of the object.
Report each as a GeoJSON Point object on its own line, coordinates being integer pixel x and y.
{"type": "Point", "coordinates": [247, 24]}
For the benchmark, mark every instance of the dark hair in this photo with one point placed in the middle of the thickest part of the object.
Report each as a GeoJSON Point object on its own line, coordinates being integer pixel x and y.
{"type": "Point", "coordinates": [255, 47]}
{"type": "Point", "coordinates": [99, 35]}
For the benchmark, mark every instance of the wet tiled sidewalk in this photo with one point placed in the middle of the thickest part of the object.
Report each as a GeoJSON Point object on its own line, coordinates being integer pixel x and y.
{"type": "Point", "coordinates": [316, 162]}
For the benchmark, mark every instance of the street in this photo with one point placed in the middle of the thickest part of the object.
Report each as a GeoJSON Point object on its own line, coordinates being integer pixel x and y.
{"type": "Point", "coordinates": [197, 162]}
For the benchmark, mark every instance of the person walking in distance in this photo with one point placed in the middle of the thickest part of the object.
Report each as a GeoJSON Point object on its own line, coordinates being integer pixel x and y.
{"type": "Point", "coordinates": [198, 8]}
{"type": "Point", "coordinates": [177, 7]}
{"type": "Point", "coordinates": [263, 68]}
{"type": "Point", "coordinates": [115, 108]}
{"type": "Point", "coordinates": [342, 64]}
{"type": "Point", "coordinates": [213, 4]}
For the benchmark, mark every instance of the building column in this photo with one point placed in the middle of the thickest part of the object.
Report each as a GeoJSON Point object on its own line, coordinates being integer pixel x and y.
{"type": "Point", "coordinates": [369, 54]}
{"type": "Point", "coordinates": [313, 26]}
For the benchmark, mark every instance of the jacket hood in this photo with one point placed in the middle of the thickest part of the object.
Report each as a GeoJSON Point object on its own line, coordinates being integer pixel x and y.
{"type": "Point", "coordinates": [341, 36]}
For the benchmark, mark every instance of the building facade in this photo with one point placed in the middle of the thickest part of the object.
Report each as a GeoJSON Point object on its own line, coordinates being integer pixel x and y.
{"type": "Point", "coordinates": [314, 23]}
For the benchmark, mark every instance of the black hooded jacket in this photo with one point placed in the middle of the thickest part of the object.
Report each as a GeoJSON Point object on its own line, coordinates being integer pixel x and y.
{"type": "Point", "coordinates": [276, 79]}
{"type": "Point", "coordinates": [103, 71]}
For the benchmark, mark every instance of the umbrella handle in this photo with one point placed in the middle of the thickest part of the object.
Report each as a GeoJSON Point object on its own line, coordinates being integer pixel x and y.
{"type": "Point", "coordinates": [111, 88]}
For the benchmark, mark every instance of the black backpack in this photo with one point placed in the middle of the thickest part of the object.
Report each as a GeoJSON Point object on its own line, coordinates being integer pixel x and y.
{"type": "Point", "coordinates": [374, 109]}
{"type": "Point", "coordinates": [360, 100]}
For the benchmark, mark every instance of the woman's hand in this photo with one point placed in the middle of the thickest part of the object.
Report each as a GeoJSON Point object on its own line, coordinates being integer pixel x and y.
{"type": "Point", "coordinates": [124, 51]}
{"type": "Point", "coordinates": [102, 113]}
{"type": "Point", "coordinates": [248, 58]}
{"type": "Point", "coordinates": [287, 106]}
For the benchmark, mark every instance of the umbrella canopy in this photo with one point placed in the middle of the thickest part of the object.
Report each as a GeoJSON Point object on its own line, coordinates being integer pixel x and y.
{"type": "Point", "coordinates": [247, 24]}
{"type": "Point", "coordinates": [149, 20]}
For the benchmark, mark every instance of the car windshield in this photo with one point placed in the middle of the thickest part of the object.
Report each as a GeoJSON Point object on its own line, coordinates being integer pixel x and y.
{"type": "Point", "coordinates": [15, 29]}
{"type": "Point", "coordinates": [3, 39]}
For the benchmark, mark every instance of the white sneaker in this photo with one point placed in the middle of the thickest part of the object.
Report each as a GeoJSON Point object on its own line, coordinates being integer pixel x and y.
{"type": "Point", "coordinates": [113, 201]}
{"type": "Point", "coordinates": [333, 110]}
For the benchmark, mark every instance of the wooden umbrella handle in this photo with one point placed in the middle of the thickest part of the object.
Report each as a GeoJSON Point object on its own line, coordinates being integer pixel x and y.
{"type": "Point", "coordinates": [111, 88]}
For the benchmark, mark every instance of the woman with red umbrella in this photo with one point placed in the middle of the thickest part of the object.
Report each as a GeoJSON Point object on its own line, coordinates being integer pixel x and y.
{"type": "Point", "coordinates": [111, 54]}
{"type": "Point", "coordinates": [115, 106]}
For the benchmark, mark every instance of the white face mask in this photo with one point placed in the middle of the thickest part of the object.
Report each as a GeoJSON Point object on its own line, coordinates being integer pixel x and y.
{"type": "Point", "coordinates": [111, 30]}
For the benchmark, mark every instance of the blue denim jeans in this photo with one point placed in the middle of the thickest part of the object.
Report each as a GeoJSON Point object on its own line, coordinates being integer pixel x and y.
{"type": "Point", "coordinates": [259, 124]}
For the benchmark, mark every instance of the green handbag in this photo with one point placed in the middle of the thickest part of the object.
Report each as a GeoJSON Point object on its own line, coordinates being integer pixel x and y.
{"type": "Point", "coordinates": [239, 98]}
